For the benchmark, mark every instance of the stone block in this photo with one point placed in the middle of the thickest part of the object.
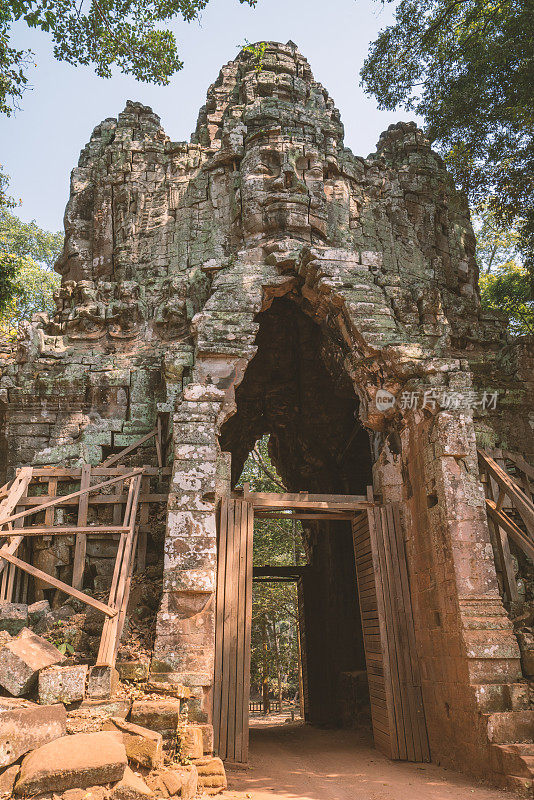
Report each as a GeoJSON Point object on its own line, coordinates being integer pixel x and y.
{"type": "Point", "coordinates": [131, 787]}
{"type": "Point", "coordinates": [525, 638]}
{"type": "Point", "coordinates": [170, 689]}
{"type": "Point", "coordinates": [24, 729]}
{"type": "Point", "coordinates": [192, 744]}
{"type": "Point", "coordinates": [90, 714]}
{"type": "Point", "coordinates": [510, 726]}
{"type": "Point", "coordinates": [102, 682]}
{"type": "Point", "coordinates": [22, 659]}
{"type": "Point", "coordinates": [13, 617]}
{"type": "Point", "coordinates": [14, 703]}
{"type": "Point", "coordinates": [175, 782]}
{"type": "Point", "coordinates": [62, 684]}
{"type": "Point", "coordinates": [162, 716]}
{"type": "Point", "coordinates": [182, 781]}
{"type": "Point", "coordinates": [38, 611]}
{"type": "Point", "coordinates": [207, 738]}
{"type": "Point", "coordinates": [73, 762]}
{"type": "Point", "coordinates": [91, 793]}
{"type": "Point", "coordinates": [211, 775]}
{"type": "Point", "coordinates": [143, 746]}
{"type": "Point", "coordinates": [8, 777]}
{"type": "Point", "coordinates": [136, 671]}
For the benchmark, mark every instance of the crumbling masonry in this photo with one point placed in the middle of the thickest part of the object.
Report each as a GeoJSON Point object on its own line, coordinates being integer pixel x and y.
{"type": "Point", "coordinates": [263, 279]}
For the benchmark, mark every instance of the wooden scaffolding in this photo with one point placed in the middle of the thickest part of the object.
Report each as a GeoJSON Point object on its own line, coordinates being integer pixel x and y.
{"type": "Point", "coordinates": [29, 507]}
{"type": "Point", "coordinates": [508, 481]}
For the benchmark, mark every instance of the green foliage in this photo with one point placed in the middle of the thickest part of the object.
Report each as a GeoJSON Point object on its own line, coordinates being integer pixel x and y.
{"type": "Point", "coordinates": [61, 639]}
{"type": "Point", "coordinates": [65, 648]}
{"type": "Point", "coordinates": [496, 244]}
{"type": "Point", "coordinates": [466, 66]}
{"type": "Point", "coordinates": [257, 52]}
{"type": "Point", "coordinates": [27, 281]}
{"type": "Point", "coordinates": [506, 289]}
{"type": "Point", "coordinates": [274, 647]}
{"type": "Point", "coordinates": [101, 33]}
{"type": "Point", "coordinates": [504, 282]}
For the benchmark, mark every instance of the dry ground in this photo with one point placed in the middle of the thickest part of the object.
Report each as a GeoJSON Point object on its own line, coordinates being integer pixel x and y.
{"type": "Point", "coordinates": [298, 762]}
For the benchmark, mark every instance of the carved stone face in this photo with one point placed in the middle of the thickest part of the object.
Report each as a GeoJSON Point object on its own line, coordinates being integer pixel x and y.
{"type": "Point", "coordinates": [282, 190]}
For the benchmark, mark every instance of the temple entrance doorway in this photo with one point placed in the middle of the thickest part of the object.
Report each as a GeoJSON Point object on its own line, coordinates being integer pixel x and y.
{"type": "Point", "coordinates": [357, 648]}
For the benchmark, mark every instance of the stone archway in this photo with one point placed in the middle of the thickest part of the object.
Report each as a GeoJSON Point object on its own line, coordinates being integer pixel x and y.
{"type": "Point", "coordinates": [426, 461]}
{"type": "Point", "coordinates": [295, 389]}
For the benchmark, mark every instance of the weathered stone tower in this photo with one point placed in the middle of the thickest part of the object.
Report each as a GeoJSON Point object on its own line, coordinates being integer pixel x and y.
{"type": "Point", "coordinates": [263, 279]}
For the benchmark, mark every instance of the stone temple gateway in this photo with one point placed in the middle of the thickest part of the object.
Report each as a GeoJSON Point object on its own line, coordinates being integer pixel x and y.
{"type": "Point", "coordinates": [261, 279]}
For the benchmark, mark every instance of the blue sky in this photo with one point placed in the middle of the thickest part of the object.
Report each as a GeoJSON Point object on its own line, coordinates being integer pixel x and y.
{"type": "Point", "coordinates": [41, 143]}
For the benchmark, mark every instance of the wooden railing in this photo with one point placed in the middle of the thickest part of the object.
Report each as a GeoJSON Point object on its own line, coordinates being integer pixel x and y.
{"type": "Point", "coordinates": [257, 706]}
{"type": "Point", "coordinates": [510, 509]}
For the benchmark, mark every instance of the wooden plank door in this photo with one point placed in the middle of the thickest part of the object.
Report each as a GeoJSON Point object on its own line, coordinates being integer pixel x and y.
{"type": "Point", "coordinates": [397, 711]}
{"type": "Point", "coordinates": [231, 689]}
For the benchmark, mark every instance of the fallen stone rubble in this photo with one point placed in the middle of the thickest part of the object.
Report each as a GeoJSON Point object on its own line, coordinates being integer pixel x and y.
{"type": "Point", "coordinates": [71, 732]}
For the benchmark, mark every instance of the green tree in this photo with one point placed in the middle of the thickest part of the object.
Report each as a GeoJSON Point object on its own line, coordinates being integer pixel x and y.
{"type": "Point", "coordinates": [506, 289]}
{"type": "Point", "coordinates": [467, 66]}
{"type": "Point", "coordinates": [102, 33]}
{"type": "Point", "coordinates": [496, 245]}
{"type": "Point", "coordinates": [504, 282]}
{"type": "Point", "coordinates": [27, 280]}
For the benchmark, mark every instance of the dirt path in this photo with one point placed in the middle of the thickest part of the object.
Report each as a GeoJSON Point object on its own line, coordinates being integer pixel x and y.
{"type": "Point", "coordinates": [297, 762]}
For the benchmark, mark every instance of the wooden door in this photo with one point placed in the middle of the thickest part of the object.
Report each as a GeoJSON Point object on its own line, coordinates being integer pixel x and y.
{"type": "Point", "coordinates": [397, 711]}
{"type": "Point", "coordinates": [231, 688]}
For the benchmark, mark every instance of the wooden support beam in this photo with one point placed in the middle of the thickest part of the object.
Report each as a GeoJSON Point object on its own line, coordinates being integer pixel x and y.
{"type": "Point", "coordinates": [64, 473]}
{"type": "Point", "coordinates": [143, 526]}
{"type": "Point", "coordinates": [520, 462]}
{"type": "Point", "coordinates": [64, 587]}
{"type": "Point", "coordinates": [500, 539]}
{"type": "Point", "coordinates": [127, 450]}
{"type": "Point", "coordinates": [81, 539]}
{"type": "Point", "coordinates": [122, 576]}
{"type": "Point", "coordinates": [67, 530]}
{"type": "Point", "coordinates": [310, 505]}
{"type": "Point", "coordinates": [266, 497]}
{"type": "Point", "coordinates": [98, 500]}
{"type": "Point", "coordinates": [280, 572]}
{"type": "Point", "coordinates": [329, 515]}
{"type": "Point", "coordinates": [159, 442]}
{"type": "Point", "coordinates": [519, 499]}
{"type": "Point", "coordinates": [58, 500]}
{"type": "Point", "coordinates": [518, 536]}
{"type": "Point", "coordinates": [17, 491]}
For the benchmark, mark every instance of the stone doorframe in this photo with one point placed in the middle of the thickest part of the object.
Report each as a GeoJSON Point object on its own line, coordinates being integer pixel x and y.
{"type": "Point", "coordinates": [463, 635]}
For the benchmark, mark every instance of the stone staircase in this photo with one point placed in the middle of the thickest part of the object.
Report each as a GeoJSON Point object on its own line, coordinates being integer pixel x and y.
{"type": "Point", "coordinates": [513, 766]}
{"type": "Point", "coordinates": [504, 697]}
{"type": "Point", "coordinates": [508, 720]}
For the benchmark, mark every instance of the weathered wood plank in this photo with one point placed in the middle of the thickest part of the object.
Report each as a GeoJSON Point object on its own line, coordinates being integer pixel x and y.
{"type": "Point", "coordinates": [58, 500]}
{"type": "Point", "coordinates": [81, 539]}
{"type": "Point", "coordinates": [67, 530]}
{"type": "Point", "coordinates": [113, 459]}
{"type": "Point", "coordinates": [64, 587]}
{"type": "Point", "coordinates": [219, 622]}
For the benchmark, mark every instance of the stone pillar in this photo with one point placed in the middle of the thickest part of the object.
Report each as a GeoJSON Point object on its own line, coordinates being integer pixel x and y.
{"type": "Point", "coordinates": [465, 642]}
{"type": "Point", "coordinates": [185, 634]}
